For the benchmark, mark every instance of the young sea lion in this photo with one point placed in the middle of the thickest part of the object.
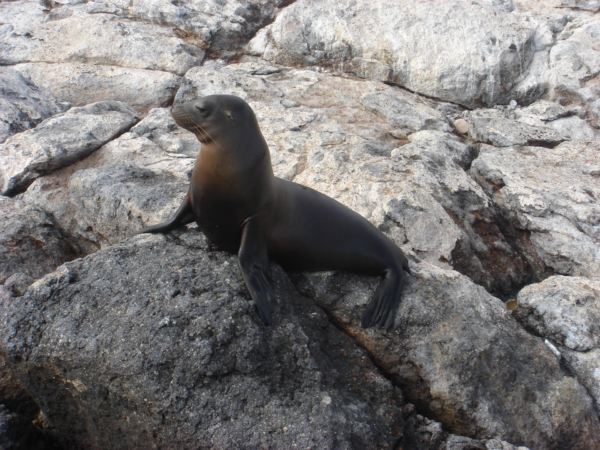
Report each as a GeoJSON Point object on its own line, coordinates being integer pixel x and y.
{"type": "Point", "coordinates": [242, 207]}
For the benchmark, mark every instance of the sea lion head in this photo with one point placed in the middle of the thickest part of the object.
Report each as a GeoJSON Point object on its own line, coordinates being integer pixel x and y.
{"type": "Point", "coordinates": [215, 117]}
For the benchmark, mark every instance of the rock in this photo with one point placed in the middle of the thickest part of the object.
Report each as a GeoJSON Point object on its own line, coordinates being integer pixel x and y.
{"type": "Point", "coordinates": [22, 104]}
{"type": "Point", "coordinates": [18, 283]}
{"type": "Point", "coordinates": [60, 141]}
{"type": "Point", "coordinates": [458, 51]}
{"type": "Point", "coordinates": [155, 149]}
{"type": "Point", "coordinates": [19, 414]}
{"type": "Point", "coordinates": [462, 359]}
{"type": "Point", "coordinates": [566, 64]}
{"type": "Point", "coordinates": [566, 311]}
{"type": "Point", "coordinates": [218, 27]}
{"type": "Point", "coordinates": [550, 198]}
{"type": "Point", "coordinates": [180, 355]}
{"type": "Point", "coordinates": [82, 84]}
{"type": "Point", "coordinates": [491, 126]}
{"type": "Point", "coordinates": [30, 245]}
{"type": "Point", "coordinates": [574, 128]}
{"type": "Point", "coordinates": [117, 200]}
{"type": "Point", "coordinates": [98, 36]}
{"type": "Point", "coordinates": [405, 173]}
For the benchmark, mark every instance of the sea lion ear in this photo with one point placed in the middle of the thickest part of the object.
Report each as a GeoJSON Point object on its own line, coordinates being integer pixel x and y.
{"type": "Point", "coordinates": [229, 115]}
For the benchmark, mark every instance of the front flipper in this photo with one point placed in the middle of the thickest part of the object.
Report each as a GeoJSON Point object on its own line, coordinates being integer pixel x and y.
{"type": "Point", "coordinates": [183, 216]}
{"type": "Point", "coordinates": [254, 263]}
{"type": "Point", "coordinates": [381, 311]}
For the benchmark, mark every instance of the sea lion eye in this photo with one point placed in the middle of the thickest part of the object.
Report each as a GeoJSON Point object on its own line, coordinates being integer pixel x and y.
{"type": "Point", "coordinates": [202, 110]}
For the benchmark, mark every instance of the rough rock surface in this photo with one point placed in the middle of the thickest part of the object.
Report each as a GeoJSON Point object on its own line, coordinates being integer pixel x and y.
{"type": "Point", "coordinates": [148, 176]}
{"type": "Point", "coordinates": [82, 84]}
{"type": "Point", "coordinates": [460, 357]}
{"type": "Point", "coordinates": [92, 33]}
{"type": "Point", "coordinates": [463, 52]}
{"type": "Point", "coordinates": [30, 245]}
{"type": "Point", "coordinates": [566, 62]}
{"type": "Point", "coordinates": [22, 104]}
{"type": "Point", "coordinates": [566, 311]}
{"type": "Point", "coordinates": [181, 355]}
{"type": "Point", "coordinates": [551, 198]}
{"type": "Point", "coordinates": [60, 141]}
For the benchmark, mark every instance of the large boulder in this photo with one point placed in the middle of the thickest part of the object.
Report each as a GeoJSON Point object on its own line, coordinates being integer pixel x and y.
{"type": "Point", "coordinates": [461, 358]}
{"type": "Point", "coordinates": [179, 355]}
{"type": "Point", "coordinates": [566, 63]}
{"type": "Point", "coordinates": [460, 51]}
{"type": "Point", "coordinates": [94, 34]}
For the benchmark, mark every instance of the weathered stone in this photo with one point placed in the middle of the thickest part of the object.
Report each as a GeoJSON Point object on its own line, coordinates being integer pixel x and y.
{"type": "Point", "coordinates": [60, 141]}
{"type": "Point", "coordinates": [491, 126]}
{"type": "Point", "coordinates": [117, 200]}
{"type": "Point", "coordinates": [550, 197]}
{"type": "Point", "coordinates": [566, 64]}
{"type": "Point", "coordinates": [70, 34]}
{"type": "Point", "coordinates": [462, 359]}
{"type": "Point", "coordinates": [155, 147]}
{"type": "Point", "coordinates": [566, 311]}
{"type": "Point", "coordinates": [22, 104]}
{"type": "Point", "coordinates": [458, 51]}
{"type": "Point", "coordinates": [82, 84]}
{"type": "Point", "coordinates": [180, 355]}
{"type": "Point", "coordinates": [29, 242]}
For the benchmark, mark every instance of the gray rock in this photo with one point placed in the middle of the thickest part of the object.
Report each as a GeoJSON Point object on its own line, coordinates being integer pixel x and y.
{"type": "Point", "coordinates": [159, 335]}
{"type": "Point", "coordinates": [61, 141]}
{"type": "Point", "coordinates": [575, 129]}
{"type": "Point", "coordinates": [155, 147]}
{"type": "Point", "coordinates": [550, 198]}
{"type": "Point", "coordinates": [117, 200]}
{"type": "Point", "coordinates": [30, 245]}
{"type": "Point", "coordinates": [491, 126]}
{"type": "Point", "coordinates": [18, 283]}
{"type": "Point", "coordinates": [74, 34]}
{"type": "Point", "coordinates": [462, 359]}
{"type": "Point", "coordinates": [22, 104]}
{"type": "Point", "coordinates": [566, 64]}
{"type": "Point", "coordinates": [464, 52]}
{"type": "Point", "coordinates": [82, 84]}
{"type": "Point", "coordinates": [402, 114]}
{"type": "Point", "coordinates": [566, 311]}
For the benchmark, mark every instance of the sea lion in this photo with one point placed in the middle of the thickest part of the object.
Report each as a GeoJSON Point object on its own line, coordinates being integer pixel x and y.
{"type": "Point", "coordinates": [241, 206]}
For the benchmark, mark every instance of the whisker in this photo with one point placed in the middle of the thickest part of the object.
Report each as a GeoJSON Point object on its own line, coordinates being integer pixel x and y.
{"type": "Point", "coordinates": [199, 127]}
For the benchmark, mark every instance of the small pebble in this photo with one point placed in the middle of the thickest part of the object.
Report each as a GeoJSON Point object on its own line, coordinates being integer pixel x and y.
{"type": "Point", "coordinates": [461, 126]}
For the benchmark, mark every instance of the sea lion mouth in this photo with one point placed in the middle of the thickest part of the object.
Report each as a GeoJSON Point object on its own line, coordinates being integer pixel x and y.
{"type": "Point", "coordinates": [185, 120]}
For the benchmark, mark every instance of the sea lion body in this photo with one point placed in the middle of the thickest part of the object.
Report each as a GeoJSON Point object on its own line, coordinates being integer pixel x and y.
{"type": "Point", "coordinates": [243, 208]}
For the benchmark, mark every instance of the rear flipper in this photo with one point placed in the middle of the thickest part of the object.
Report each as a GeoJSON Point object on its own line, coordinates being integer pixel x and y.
{"type": "Point", "coordinates": [381, 311]}
{"type": "Point", "coordinates": [183, 216]}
